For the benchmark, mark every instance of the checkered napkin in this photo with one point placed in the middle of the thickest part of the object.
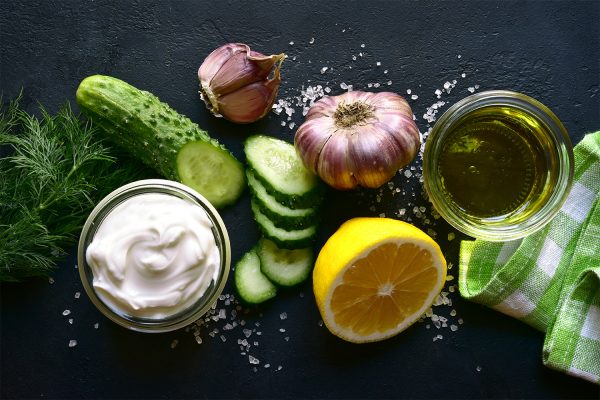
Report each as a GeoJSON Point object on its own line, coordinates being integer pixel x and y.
{"type": "Point", "coordinates": [551, 279]}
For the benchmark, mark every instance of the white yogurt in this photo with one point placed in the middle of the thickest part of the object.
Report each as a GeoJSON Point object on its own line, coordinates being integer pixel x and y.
{"type": "Point", "coordinates": [153, 256]}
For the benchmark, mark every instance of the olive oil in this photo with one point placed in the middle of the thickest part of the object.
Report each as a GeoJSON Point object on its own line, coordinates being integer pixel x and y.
{"type": "Point", "coordinates": [494, 164]}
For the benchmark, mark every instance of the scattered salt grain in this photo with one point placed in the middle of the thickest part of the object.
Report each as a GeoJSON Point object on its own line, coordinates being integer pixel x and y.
{"type": "Point", "coordinates": [478, 368]}
{"type": "Point", "coordinates": [324, 69]}
{"type": "Point", "coordinates": [311, 41]}
{"type": "Point", "coordinates": [51, 280]}
{"type": "Point", "coordinates": [453, 328]}
{"type": "Point", "coordinates": [71, 321]}
{"type": "Point", "coordinates": [378, 64]}
{"type": "Point", "coordinates": [96, 325]}
{"type": "Point", "coordinates": [247, 332]}
{"type": "Point", "coordinates": [281, 330]}
{"type": "Point", "coordinates": [408, 91]}
{"type": "Point", "coordinates": [174, 343]}
{"type": "Point", "coordinates": [471, 89]}
{"type": "Point", "coordinates": [66, 312]}
{"type": "Point", "coordinates": [72, 343]}
{"type": "Point", "coordinates": [283, 316]}
{"type": "Point", "coordinates": [77, 294]}
{"type": "Point", "coordinates": [389, 83]}
{"type": "Point", "coordinates": [362, 45]}
{"type": "Point", "coordinates": [451, 236]}
{"type": "Point", "coordinates": [291, 43]}
{"type": "Point", "coordinates": [463, 75]}
{"type": "Point", "coordinates": [385, 72]}
{"type": "Point", "coordinates": [414, 97]}
{"type": "Point", "coordinates": [253, 360]}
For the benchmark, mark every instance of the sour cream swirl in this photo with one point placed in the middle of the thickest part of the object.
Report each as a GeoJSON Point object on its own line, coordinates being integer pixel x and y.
{"type": "Point", "coordinates": [153, 256]}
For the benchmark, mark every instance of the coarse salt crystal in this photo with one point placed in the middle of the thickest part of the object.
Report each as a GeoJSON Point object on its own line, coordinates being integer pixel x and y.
{"type": "Point", "coordinates": [389, 83]}
{"type": "Point", "coordinates": [414, 97]}
{"type": "Point", "coordinates": [283, 316]}
{"type": "Point", "coordinates": [253, 360]}
{"type": "Point", "coordinates": [453, 328]}
{"type": "Point", "coordinates": [463, 75]}
{"type": "Point", "coordinates": [378, 64]}
{"type": "Point", "coordinates": [291, 43]}
{"type": "Point", "coordinates": [362, 45]}
{"type": "Point", "coordinates": [408, 91]}
{"type": "Point", "coordinates": [71, 321]}
{"type": "Point", "coordinates": [471, 89]}
{"type": "Point", "coordinates": [311, 41]}
{"type": "Point", "coordinates": [77, 294]}
{"type": "Point", "coordinates": [51, 280]}
{"type": "Point", "coordinates": [451, 236]}
{"type": "Point", "coordinates": [66, 312]}
{"type": "Point", "coordinates": [174, 343]}
{"type": "Point", "coordinates": [324, 69]}
{"type": "Point", "coordinates": [72, 343]}
{"type": "Point", "coordinates": [96, 325]}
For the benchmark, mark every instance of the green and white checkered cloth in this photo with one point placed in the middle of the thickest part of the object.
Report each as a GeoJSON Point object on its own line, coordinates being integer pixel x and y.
{"type": "Point", "coordinates": [551, 279]}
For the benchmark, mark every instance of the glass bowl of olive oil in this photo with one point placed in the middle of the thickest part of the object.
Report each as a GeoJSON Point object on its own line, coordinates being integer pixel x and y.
{"type": "Point", "coordinates": [498, 165]}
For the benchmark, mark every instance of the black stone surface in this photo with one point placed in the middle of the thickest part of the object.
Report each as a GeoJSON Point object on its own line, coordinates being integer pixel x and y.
{"type": "Point", "coordinates": [547, 49]}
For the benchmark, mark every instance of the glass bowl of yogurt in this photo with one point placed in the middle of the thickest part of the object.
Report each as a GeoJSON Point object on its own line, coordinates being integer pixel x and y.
{"type": "Point", "coordinates": [154, 255]}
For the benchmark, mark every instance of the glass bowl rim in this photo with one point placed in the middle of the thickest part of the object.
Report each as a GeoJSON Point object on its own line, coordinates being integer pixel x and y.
{"type": "Point", "coordinates": [201, 306]}
{"type": "Point", "coordinates": [564, 151]}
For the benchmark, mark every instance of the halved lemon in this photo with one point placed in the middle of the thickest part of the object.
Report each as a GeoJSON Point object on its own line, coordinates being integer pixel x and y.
{"type": "Point", "coordinates": [374, 277]}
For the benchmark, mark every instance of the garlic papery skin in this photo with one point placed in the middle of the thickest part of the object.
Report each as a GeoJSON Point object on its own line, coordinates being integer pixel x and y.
{"type": "Point", "coordinates": [239, 84]}
{"type": "Point", "coordinates": [358, 138]}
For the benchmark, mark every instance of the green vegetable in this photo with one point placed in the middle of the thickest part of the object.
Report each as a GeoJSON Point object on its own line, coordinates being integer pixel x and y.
{"type": "Point", "coordinates": [250, 283]}
{"type": "Point", "coordinates": [293, 239]}
{"type": "Point", "coordinates": [284, 267]}
{"type": "Point", "coordinates": [279, 169]}
{"type": "Point", "coordinates": [282, 216]}
{"type": "Point", "coordinates": [54, 174]}
{"type": "Point", "coordinates": [163, 139]}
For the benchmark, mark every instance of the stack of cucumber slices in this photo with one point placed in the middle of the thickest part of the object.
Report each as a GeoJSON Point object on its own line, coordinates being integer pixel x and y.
{"type": "Point", "coordinates": [285, 202]}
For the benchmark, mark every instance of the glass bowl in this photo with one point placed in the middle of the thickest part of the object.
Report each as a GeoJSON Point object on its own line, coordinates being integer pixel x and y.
{"type": "Point", "coordinates": [169, 322]}
{"type": "Point", "coordinates": [538, 128]}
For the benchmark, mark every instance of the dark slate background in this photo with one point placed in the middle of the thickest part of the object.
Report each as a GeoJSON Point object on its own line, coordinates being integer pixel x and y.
{"type": "Point", "coordinates": [547, 49]}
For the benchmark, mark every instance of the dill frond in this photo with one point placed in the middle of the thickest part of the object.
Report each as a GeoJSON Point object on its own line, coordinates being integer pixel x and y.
{"type": "Point", "coordinates": [56, 171]}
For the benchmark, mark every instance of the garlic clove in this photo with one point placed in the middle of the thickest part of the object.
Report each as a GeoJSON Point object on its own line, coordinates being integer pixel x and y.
{"type": "Point", "coordinates": [310, 139]}
{"type": "Point", "coordinates": [249, 103]}
{"type": "Point", "coordinates": [335, 170]}
{"type": "Point", "coordinates": [215, 60]}
{"type": "Point", "coordinates": [235, 68]}
{"type": "Point", "coordinates": [374, 158]}
{"type": "Point", "coordinates": [241, 70]}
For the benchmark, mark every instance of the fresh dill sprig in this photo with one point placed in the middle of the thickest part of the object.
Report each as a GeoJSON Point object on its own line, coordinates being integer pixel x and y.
{"type": "Point", "coordinates": [56, 171]}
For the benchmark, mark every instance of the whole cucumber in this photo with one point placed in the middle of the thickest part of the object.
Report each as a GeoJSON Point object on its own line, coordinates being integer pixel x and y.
{"type": "Point", "coordinates": [162, 138]}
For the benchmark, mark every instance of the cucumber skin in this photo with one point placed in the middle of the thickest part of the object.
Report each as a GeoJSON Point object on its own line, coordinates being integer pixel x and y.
{"type": "Point", "coordinates": [238, 281]}
{"type": "Point", "coordinates": [138, 121]}
{"type": "Point", "coordinates": [261, 251]}
{"type": "Point", "coordinates": [287, 222]}
{"type": "Point", "coordinates": [289, 244]}
{"type": "Point", "coordinates": [307, 200]}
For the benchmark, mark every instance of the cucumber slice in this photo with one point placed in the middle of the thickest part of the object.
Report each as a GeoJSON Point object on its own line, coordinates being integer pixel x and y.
{"type": "Point", "coordinates": [280, 170]}
{"type": "Point", "coordinates": [284, 267]}
{"type": "Point", "coordinates": [252, 286]}
{"type": "Point", "coordinates": [211, 171]}
{"type": "Point", "coordinates": [294, 239]}
{"type": "Point", "coordinates": [281, 216]}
